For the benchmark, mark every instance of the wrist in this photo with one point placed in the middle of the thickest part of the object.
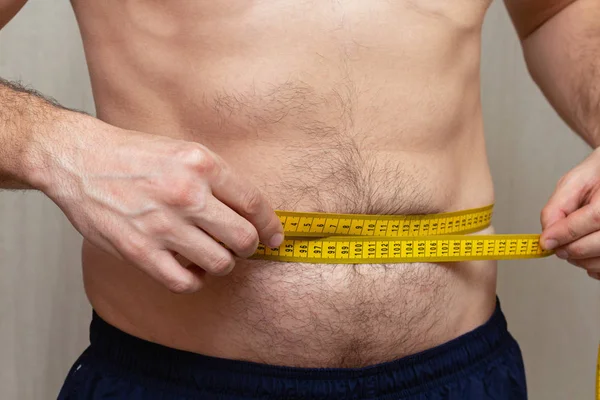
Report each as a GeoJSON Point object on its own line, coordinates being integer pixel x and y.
{"type": "Point", "coordinates": [50, 142]}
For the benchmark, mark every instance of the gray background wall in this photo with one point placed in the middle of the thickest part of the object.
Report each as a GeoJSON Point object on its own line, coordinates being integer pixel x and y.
{"type": "Point", "coordinates": [553, 309]}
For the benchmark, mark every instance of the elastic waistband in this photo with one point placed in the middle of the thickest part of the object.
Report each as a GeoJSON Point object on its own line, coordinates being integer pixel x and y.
{"type": "Point", "coordinates": [168, 367]}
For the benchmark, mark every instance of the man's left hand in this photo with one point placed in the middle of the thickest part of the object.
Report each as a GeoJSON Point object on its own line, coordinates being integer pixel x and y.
{"type": "Point", "coordinates": [571, 219]}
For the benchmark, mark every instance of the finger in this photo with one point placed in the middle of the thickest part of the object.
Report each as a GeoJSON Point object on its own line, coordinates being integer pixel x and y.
{"type": "Point", "coordinates": [565, 200]}
{"type": "Point", "coordinates": [586, 247]}
{"type": "Point", "coordinates": [575, 226]}
{"type": "Point", "coordinates": [591, 265]}
{"type": "Point", "coordinates": [160, 265]}
{"type": "Point", "coordinates": [246, 200]}
{"type": "Point", "coordinates": [227, 226]}
{"type": "Point", "coordinates": [595, 275]}
{"type": "Point", "coordinates": [201, 249]}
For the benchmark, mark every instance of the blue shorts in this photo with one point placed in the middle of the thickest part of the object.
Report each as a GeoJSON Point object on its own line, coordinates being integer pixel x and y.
{"type": "Point", "coordinates": [482, 364]}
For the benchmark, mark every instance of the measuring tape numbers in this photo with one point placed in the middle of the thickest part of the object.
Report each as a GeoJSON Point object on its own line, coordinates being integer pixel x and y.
{"type": "Point", "coordinates": [372, 239]}
{"type": "Point", "coordinates": [326, 238]}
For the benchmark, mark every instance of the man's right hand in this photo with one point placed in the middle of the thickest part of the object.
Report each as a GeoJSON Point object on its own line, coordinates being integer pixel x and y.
{"type": "Point", "coordinates": [144, 197]}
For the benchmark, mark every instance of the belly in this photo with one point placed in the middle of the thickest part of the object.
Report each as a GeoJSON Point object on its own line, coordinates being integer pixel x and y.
{"type": "Point", "coordinates": [294, 314]}
{"type": "Point", "coordinates": [355, 108]}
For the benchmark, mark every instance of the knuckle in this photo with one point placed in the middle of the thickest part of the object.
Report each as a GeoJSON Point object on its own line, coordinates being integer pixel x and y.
{"type": "Point", "coordinates": [247, 240]}
{"type": "Point", "coordinates": [576, 251]}
{"type": "Point", "coordinates": [563, 180]}
{"type": "Point", "coordinates": [545, 214]}
{"type": "Point", "coordinates": [199, 158]}
{"type": "Point", "coordinates": [572, 231]}
{"type": "Point", "coordinates": [160, 225]}
{"type": "Point", "coordinates": [180, 285]}
{"type": "Point", "coordinates": [135, 248]}
{"type": "Point", "coordinates": [595, 214]}
{"type": "Point", "coordinates": [222, 264]}
{"type": "Point", "coordinates": [181, 193]}
{"type": "Point", "coordinates": [252, 202]}
{"type": "Point", "coordinates": [569, 178]}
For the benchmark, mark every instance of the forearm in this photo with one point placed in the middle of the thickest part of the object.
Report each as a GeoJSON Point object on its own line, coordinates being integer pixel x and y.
{"type": "Point", "coordinates": [563, 57]}
{"type": "Point", "coordinates": [30, 131]}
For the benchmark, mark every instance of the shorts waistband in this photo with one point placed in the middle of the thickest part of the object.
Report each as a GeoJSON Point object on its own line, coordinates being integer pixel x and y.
{"type": "Point", "coordinates": [406, 375]}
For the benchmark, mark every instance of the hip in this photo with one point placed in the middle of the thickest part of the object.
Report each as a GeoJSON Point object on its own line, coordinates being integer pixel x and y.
{"type": "Point", "coordinates": [483, 363]}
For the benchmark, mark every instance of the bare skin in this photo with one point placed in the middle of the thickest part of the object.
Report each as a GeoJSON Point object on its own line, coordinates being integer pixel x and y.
{"type": "Point", "coordinates": [362, 108]}
{"type": "Point", "coordinates": [212, 114]}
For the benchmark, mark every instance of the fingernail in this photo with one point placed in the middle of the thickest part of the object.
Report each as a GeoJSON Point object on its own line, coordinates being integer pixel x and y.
{"type": "Point", "coordinates": [550, 244]}
{"type": "Point", "coordinates": [276, 240]}
{"type": "Point", "coordinates": [562, 254]}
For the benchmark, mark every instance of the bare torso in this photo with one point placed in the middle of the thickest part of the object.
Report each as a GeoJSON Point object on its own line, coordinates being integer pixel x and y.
{"type": "Point", "coordinates": [337, 106]}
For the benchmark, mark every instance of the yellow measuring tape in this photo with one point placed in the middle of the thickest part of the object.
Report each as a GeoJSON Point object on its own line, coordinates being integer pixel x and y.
{"type": "Point", "coordinates": [372, 239]}
{"type": "Point", "coordinates": [326, 238]}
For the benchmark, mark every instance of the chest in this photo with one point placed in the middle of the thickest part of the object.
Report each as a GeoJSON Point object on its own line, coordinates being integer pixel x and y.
{"type": "Point", "coordinates": [168, 17]}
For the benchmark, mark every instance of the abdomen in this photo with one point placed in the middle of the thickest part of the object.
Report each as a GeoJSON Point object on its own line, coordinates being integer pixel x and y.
{"type": "Point", "coordinates": [353, 107]}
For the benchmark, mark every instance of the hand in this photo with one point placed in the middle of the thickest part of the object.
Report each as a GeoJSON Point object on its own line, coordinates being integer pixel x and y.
{"type": "Point", "coordinates": [143, 198]}
{"type": "Point", "coordinates": [571, 219]}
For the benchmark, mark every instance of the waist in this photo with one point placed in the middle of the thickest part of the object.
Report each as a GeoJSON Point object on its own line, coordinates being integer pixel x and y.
{"type": "Point", "coordinates": [313, 314]}
{"type": "Point", "coordinates": [145, 362]}
{"type": "Point", "coordinates": [307, 315]}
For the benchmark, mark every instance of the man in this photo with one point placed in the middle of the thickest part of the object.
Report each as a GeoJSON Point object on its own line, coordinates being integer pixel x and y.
{"type": "Point", "coordinates": [211, 114]}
